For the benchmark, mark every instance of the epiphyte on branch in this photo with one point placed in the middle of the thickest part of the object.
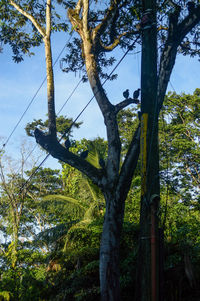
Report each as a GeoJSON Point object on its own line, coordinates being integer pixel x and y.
{"type": "Point", "coordinates": [126, 93]}
{"type": "Point", "coordinates": [84, 154]}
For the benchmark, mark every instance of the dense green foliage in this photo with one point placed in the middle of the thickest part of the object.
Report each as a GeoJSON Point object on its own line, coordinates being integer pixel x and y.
{"type": "Point", "coordinates": [18, 32]}
{"type": "Point", "coordinates": [64, 126]}
{"type": "Point", "coordinates": [50, 234]}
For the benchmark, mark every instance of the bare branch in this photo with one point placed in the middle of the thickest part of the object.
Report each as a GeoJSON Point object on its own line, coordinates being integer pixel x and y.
{"type": "Point", "coordinates": [100, 28]}
{"type": "Point", "coordinates": [30, 17]}
{"type": "Point", "coordinates": [78, 6]}
{"type": "Point", "coordinates": [116, 41]}
{"type": "Point", "coordinates": [177, 33]}
{"type": "Point", "coordinates": [4, 184]}
{"type": "Point", "coordinates": [120, 106]}
{"type": "Point", "coordinates": [56, 150]}
{"type": "Point", "coordinates": [130, 163]}
{"type": "Point", "coordinates": [189, 23]}
{"type": "Point", "coordinates": [73, 15]}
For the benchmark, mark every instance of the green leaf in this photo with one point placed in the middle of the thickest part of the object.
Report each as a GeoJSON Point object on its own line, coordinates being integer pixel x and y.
{"type": "Point", "coordinates": [5, 295]}
{"type": "Point", "coordinates": [93, 155]}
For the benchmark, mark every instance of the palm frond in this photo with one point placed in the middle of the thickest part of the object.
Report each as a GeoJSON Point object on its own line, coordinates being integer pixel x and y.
{"type": "Point", "coordinates": [68, 199]}
{"type": "Point", "coordinates": [52, 235]}
{"type": "Point", "coordinates": [93, 155]}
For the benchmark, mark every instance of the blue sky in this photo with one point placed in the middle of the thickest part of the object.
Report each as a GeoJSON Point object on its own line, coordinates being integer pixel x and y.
{"type": "Point", "coordinates": [19, 82]}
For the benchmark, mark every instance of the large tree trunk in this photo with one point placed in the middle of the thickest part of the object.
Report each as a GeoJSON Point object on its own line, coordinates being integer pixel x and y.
{"type": "Point", "coordinates": [109, 250]}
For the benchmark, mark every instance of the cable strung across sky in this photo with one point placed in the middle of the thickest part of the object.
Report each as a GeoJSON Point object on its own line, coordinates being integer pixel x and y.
{"type": "Point", "coordinates": [81, 112]}
{"type": "Point", "coordinates": [33, 98]}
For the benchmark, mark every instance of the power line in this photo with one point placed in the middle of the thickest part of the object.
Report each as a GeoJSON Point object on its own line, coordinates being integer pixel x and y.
{"type": "Point", "coordinates": [30, 153]}
{"type": "Point", "coordinates": [34, 96]}
{"type": "Point", "coordinates": [71, 34]}
{"type": "Point", "coordinates": [15, 127]}
{"type": "Point", "coordinates": [88, 103]}
{"type": "Point", "coordinates": [96, 92]}
{"type": "Point", "coordinates": [172, 86]}
{"type": "Point", "coordinates": [71, 94]}
{"type": "Point", "coordinates": [73, 91]}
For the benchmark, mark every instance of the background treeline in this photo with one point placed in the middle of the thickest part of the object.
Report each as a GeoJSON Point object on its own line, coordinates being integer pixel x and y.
{"type": "Point", "coordinates": [50, 231]}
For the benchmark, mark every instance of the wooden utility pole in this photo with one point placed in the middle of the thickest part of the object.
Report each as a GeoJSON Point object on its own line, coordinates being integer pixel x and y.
{"type": "Point", "coordinates": [148, 271]}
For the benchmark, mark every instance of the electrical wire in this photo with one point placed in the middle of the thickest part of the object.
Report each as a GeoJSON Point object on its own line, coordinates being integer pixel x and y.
{"type": "Point", "coordinates": [172, 86]}
{"type": "Point", "coordinates": [119, 62]}
{"type": "Point", "coordinates": [33, 98]}
{"type": "Point", "coordinates": [30, 153]}
{"type": "Point", "coordinates": [81, 112]}
{"type": "Point", "coordinates": [43, 161]}
{"type": "Point", "coordinates": [71, 94]}
{"type": "Point", "coordinates": [36, 95]}
{"type": "Point", "coordinates": [15, 127]}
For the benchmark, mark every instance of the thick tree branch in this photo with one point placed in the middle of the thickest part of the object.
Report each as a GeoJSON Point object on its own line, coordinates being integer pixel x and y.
{"type": "Point", "coordinates": [85, 18]}
{"type": "Point", "coordinates": [113, 31]}
{"type": "Point", "coordinates": [189, 23]}
{"type": "Point", "coordinates": [177, 33]}
{"type": "Point", "coordinates": [100, 28]}
{"type": "Point", "coordinates": [30, 17]}
{"type": "Point", "coordinates": [73, 15]}
{"type": "Point", "coordinates": [129, 165]}
{"type": "Point", "coordinates": [109, 19]}
{"type": "Point", "coordinates": [48, 18]}
{"type": "Point", "coordinates": [110, 120]}
{"type": "Point", "coordinates": [78, 6]}
{"type": "Point", "coordinates": [53, 147]}
{"type": "Point", "coordinates": [90, 55]}
{"type": "Point", "coordinates": [116, 41]}
{"type": "Point", "coordinates": [192, 175]}
{"type": "Point", "coordinates": [120, 106]}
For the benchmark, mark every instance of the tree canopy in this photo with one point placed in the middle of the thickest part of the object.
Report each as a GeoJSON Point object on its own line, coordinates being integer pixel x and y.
{"type": "Point", "coordinates": [54, 253]}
